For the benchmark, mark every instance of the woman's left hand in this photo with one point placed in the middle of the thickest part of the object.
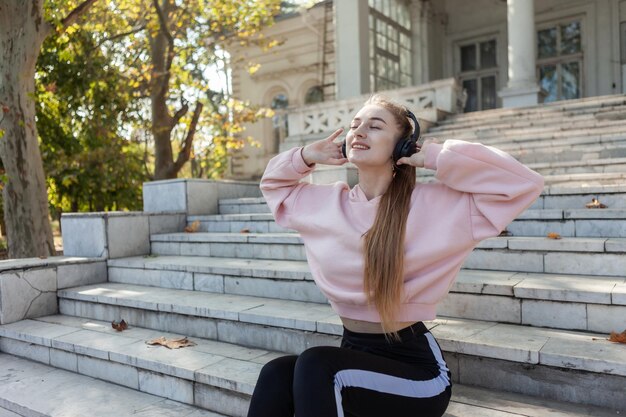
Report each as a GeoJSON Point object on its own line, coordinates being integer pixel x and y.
{"type": "Point", "coordinates": [417, 159]}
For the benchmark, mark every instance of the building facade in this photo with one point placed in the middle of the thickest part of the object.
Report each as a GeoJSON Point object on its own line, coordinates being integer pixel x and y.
{"type": "Point", "coordinates": [502, 54]}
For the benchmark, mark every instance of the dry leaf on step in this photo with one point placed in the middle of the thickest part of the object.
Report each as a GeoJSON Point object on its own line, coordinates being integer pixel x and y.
{"type": "Point", "coordinates": [121, 326]}
{"type": "Point", "coordinates": [246, 230]}
{"type": "Point", "coordinates": [505, 233]}
{"type": "Point", "coordinates": [193, 227]}
{"type": "Point", "coordinates": [171, 343]}
{"type": "Point", "coordinates": [618, 337]}
{"type": "Point", "coordinates": [595, 203]}
{"type": "Point", "coordinates": [553, 235]}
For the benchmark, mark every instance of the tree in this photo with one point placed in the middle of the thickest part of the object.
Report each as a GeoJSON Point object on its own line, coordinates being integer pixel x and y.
{"type": "Point", "coordinates": [83, 106]}
{"type": "Point", "coordinates": [168, 47]}
{"type": "Point", "coordinates": [23, 28]}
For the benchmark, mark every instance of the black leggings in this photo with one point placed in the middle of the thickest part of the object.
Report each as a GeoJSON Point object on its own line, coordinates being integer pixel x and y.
{"type": "Point", "coordinates": [366, 376]}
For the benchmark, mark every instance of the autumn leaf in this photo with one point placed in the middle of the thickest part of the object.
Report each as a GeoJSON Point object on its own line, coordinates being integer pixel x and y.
{"type": "Point", "coordinates": [595, 203]}
{"type": "Point", "coordinates": [245, 230]}
{"type": "Point", "coordinates": [618, 337]}
{"type": "Point", "coordinates": [5, 109]}
{"type": "Point", "coordinates": [553, 235]}
{"type": "Point", "coordinates": [171, 343]}
{"type": "Point", "coordinates": [505, 233]}
{"type": "Point", "coordinates": [193, 227]}
{"type": "Point", "coordinates": [121, 326]}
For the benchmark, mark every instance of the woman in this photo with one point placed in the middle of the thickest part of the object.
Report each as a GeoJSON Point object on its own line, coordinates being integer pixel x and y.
{"type": "Point", "coordinates": [384, 253]}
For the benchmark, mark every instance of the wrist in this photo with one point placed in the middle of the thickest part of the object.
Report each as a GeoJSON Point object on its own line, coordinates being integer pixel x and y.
{"type": "Point", "coordinates": [306, 157]}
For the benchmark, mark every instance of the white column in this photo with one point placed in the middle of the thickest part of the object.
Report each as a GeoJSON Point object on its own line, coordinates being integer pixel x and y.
{"type": "Point", "coordinates": [420, 41]}
{"type": "Point", "coordinates": [522, 88]}
{"type": "Point", "coordinates": [352, 53]}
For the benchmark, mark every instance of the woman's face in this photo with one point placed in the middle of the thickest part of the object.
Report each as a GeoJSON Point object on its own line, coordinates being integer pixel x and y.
{"type": "Point", "coordinates": [372, 137]}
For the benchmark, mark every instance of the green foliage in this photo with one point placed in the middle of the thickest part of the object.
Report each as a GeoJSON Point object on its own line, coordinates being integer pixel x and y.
{"type": "Point", "coordinates": [82, 104]}
{"type": "Point", "coordinates": [200, 31]}
{"type": "Point", "coordinates": [225, 134]}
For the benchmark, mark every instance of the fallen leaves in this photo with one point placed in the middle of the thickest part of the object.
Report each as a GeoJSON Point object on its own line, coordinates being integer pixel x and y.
{"type": "Point", "coordinates": [595, 204]}
{"type": "Point", "coordinates": [505, 233]}
{"type": "Point", "coordinates": [244, 230]}
{"type": "Point", "coordinates": [171, 343]}
{"type": "Point", "coordinates": [618, 337]}
{"type": "Point", "coordinates": [193, 227]}
{"type": "Point", "coordinates": [121, 326]}
{"type": "Point", "coordinates": [553, 235]}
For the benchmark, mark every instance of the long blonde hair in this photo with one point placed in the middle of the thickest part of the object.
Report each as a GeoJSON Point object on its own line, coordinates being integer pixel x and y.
{"type": "Point", "coordinates": [384, 242]}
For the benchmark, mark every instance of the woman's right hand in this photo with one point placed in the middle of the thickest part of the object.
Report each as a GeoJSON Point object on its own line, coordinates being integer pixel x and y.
{"type": "Point", "coordinates": [324, 151]}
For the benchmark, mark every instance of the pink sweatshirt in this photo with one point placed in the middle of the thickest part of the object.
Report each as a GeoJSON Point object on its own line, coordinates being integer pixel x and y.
{"type": "Point", "coordinates": [479, 191]}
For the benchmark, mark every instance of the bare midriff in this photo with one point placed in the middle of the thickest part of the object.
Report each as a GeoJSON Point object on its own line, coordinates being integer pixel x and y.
{"type": "Point", "coordinates": [360, 326]}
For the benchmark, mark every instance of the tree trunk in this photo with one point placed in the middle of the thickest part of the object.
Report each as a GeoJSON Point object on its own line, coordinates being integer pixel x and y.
{"type": "Point", "coordinates": [161, 118]}
{"type": "Point", "coordinates": [22, 31]}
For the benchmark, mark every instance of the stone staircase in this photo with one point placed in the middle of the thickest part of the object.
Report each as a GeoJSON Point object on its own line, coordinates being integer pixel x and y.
{"type": "Point", "coordinates": [523, 329]}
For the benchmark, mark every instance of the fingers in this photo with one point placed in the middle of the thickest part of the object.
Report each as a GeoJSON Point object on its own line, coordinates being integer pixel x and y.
{"type": "Point", "coordinates": [335, 134]}
{"type": "Point", "coordinates": [403, 161]}
{"type": "Point", "coordinates": [337, 161]}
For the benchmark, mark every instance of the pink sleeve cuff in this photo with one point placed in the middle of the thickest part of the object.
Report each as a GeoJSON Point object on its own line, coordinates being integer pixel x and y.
{"type": "Point", "coordinates": [298, 162]}
{"type": "Point", "coordinates": [432, 152]}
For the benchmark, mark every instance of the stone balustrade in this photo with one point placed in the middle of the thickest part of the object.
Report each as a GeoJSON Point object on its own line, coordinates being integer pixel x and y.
{"type": "Point", "coordinates": [425, 101]}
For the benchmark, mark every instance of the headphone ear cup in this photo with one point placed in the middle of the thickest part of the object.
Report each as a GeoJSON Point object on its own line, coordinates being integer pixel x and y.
{"type": "Point", "coordinates": [404, 148]}
{"type": "Point", "coordinates": [343, 149]}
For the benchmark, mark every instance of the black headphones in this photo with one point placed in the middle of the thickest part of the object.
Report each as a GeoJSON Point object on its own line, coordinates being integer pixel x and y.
{"type": "Point", "coordinates": [405, 147]}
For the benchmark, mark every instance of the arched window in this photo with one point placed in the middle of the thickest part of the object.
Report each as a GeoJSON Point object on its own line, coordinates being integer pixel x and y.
{"type": "Point", "coordinates": [279, 104]}
{"type": "Point", "coordinates": [314, 94]}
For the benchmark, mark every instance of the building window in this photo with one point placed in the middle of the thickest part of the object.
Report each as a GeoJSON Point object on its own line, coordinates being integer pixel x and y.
{"type": "Point", "coordinates": [279, 104]}
{"type": "Point", "coordinates": [314, 94]}
{"type": "Point", "coordinates": [478, 74]}
{"type": "Point", "coordinates": [560, 60]}
{"type": "Point", "coordinates": [390, 44]}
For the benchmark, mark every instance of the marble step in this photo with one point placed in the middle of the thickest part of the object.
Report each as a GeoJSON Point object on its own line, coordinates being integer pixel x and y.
{"type": "Point", "coordinates": [238, 223]}
{"type": "Point", "coordinates": [591, 166]}
{"type": "Point", "coordinates": [570, 166]}
{"type": "Point", "coordinates": [570, 255]}
{"type": "Point", "coordinates": [557, 124]}
{"type": "Point", "coordinates": [243, 206]}
{"type": "Point", "coordinates": [237, 372]}
{"type": "Point", "coordinates": [534, 141]}
{"type": "Point", "coordinates": [565, 150]}
{"type": "Point", "coordinates": [586, 179]}
{"type": "Point", "coordinates": [593, 303]}
{"type": "Point", "coordinates": [538, 222]}
{"type": "Point", "coordinates": [33, 388]}
{"type": "Point", "coordinates": [569, 107]}
{"type": "Point", "coordinates": [601, 223]}
{"type": "Point", "coordinates": [485, 350]}
{"type": "Point", "coordinates": [553, 197]}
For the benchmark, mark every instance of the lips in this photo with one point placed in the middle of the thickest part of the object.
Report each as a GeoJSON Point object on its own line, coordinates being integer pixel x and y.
{"type": "Point", "coordinates": [359, 146]}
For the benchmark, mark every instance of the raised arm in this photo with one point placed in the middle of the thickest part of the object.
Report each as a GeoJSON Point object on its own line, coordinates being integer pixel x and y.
{"type": "Point", "coordinates": [500, 187]}
{"type": "Point", "coordinates": [281, 184]}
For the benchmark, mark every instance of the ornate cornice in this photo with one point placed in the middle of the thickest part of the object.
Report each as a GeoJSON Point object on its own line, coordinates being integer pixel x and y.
{"type": "Point", "coordinates": [273, 75]}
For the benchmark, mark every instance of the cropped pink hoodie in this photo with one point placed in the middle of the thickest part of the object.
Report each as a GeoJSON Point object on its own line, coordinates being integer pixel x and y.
{"type": "Point", "coordinates": [479, 191]}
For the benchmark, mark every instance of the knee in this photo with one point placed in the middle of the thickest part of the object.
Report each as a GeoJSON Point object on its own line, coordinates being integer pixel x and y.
{"type": "Point", "coordinates": [279, 369]}
{"type": "Point", "coordinates": [314, 360]}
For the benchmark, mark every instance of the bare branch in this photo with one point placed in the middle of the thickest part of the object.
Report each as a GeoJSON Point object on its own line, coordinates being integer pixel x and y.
{"type": "Point", "coordinates": [163, 22]}
{"type": "Point", "coordinates": [73, 16]}
{"type": "Point", "coordinates": [179, 114]}
{"type": "Point", "coordinates": [184, 154]}
{"type": "Point", "coordinates": [120, 35]}
{"type": "Point", "coordinates": [170, 50]}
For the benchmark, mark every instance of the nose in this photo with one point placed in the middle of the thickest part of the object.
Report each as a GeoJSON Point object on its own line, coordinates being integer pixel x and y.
{"type": "Point", "coordinates": [359, 131]}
